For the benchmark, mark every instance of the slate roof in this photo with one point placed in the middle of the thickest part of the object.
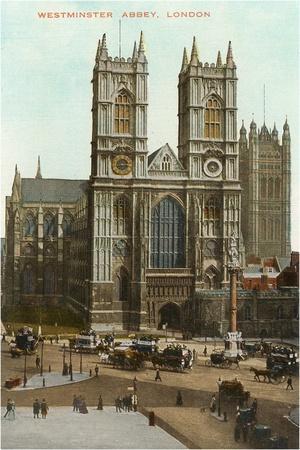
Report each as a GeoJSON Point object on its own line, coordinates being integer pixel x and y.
{"type": "Point", "coordinates": [52, 190]}
{"type": "Point", "coordinates": [152, 156]}
{"type": "Point", "coordinates": [283, 262]}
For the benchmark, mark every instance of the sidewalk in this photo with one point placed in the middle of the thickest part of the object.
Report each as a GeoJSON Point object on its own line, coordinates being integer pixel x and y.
{"type": "Point", "coordinates": [64, 428]}
{"type": "Point", "coordinates": [51, 379]}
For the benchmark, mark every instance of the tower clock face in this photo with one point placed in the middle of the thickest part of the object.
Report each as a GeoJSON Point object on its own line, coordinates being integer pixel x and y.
{"type": "Point", "coordinates": [212, 167]}
{"type": "Point", "coordinates": [121, 165]}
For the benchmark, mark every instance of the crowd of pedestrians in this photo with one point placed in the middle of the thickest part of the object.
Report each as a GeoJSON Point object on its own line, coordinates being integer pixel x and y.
{"type": "Point", "coordinates": [126, 403]}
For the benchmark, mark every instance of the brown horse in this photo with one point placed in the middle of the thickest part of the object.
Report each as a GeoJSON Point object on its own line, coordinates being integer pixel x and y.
{"type": "Point", "coordinates": [266, 373]}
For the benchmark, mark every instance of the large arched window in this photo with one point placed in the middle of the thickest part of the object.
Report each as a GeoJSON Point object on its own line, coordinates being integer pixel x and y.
{"type": "Point", "coordinates": [29, 225]}
{"type": "Point", "coordinates": [121, 216]}
{"type": "Point", "coordinates": [122, 113]}
{"type": "Point", "coordinates": [212, 119]}
{"type": "Point", "coordinates": [28, 279]}
{"type": "Point", "coordinates": [167, 234]}
{"type": "Point", "coordinates": [66, 225]}
{"type": "Point", "coordinates": [49, 280]}
{"type": "Point", "coordinates": [49, 225]}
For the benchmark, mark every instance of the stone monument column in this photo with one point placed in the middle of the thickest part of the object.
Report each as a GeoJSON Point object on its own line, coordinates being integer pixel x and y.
{"type": "Point", "coordinates": [233, 338]}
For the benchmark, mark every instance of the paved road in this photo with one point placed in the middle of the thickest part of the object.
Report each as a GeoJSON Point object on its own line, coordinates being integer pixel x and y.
{"type": "Point", "coordinates": [194, 426]}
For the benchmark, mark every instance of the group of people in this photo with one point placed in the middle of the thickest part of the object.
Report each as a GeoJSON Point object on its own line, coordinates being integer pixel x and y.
{"type": "Point", "coordinates": [127, 403]}
{"type": "Point", "coordinates": [40, 407]}
{"type": "Point", "coordinates": [79, 404]}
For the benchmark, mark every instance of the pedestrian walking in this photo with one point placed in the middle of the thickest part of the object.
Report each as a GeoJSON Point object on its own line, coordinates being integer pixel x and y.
{"type": "Point", "coordinates": [179, 401]}
{"type": "Point", "coordinates": [213, 403]}
{"type": "Point", "coordinates": [3, 336]}
{"type": "Point", "coordinates": [57, 339]}
{"type": "Point", "coordinates": [205, 351]}
{"type": "Point", "coordinates": [83, 408]}
{"type": "Point", "coordinates": [75, 403]}
{"type": "Point", "coordinates": [44, 409]}
{"type": "Point", "coordinates": [289, 383]}
{"type": "Point", "coordinates": [157, 376]}
{"type": "Point", "coordinates": [254, 406]}
{"type": "Point", "coordinates": [237, 432]}
{"type": "Point", "coordinates": [91, 372]}
{"type": "Point", "coordinates": [36, 408]}
{"type": "Point", "coordinates": [37, 362]}
{"type": "Point", "coordinates": [100, 403]}
{"type": "Point", "coordinates": [51, 340]}
{"type": "Point", "coordinates": [135, 383]}
{"type": "Point", "coordinates": [118, 404]}
{"type": "Point", "coordinates": [70, 368]}
{"type": "Point", "coordinates": [10, 409]}
{"type": "Point", "coordinates": [97, 370]}
{"type": "Point", "coordinates": [194, 355]}
{"type": "Point", "coordinates": [134, 401]}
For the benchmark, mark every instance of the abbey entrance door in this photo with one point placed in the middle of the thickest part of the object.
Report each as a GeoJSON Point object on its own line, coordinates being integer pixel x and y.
{"type": "Point", "coordinates": [170, 314]}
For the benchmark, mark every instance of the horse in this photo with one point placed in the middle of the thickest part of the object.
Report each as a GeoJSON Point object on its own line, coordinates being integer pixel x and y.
{"type": "Point", "coordinates": [264, 373]}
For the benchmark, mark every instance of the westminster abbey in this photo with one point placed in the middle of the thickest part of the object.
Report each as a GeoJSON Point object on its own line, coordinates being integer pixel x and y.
{"type": "Point", "coordinates": [144, 241]}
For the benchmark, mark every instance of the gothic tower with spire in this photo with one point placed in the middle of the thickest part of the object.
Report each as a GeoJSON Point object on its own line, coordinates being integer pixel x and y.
{"type": "Point", "coordinates": [208, 150]}
{"type": "Point", "coordinates": [118, 165]}
{"type": "Point", "coordinates": [265, 177]}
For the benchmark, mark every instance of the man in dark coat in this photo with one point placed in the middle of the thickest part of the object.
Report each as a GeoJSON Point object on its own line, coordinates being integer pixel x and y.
{"type": "Point", "coordinates": [157, 376]}
{"type": "Point", "coordinates": [44, 409]}
{"type": "Point", "coordinates": [100, 403]}
{"type": "Point", "coordinates": [96, 370]}
{"type": "Point", "coordinates": [289, 383]}
{"type": "Point", "coordinates": [37, 362]}
{"type": "Point", "coordinates": [36, 409]}
{"type": "Point", "coordinates": [179, 401]}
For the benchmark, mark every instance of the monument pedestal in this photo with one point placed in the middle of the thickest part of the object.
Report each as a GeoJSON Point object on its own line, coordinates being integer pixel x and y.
{"type": "Point", "coordinates": [233, 344]}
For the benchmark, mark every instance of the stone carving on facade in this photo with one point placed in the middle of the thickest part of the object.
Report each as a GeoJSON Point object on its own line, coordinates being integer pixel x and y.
{"type": "Point", "coordinates": [233, 252]}
{"type": "Point", "coordinates": [120, 248]}
{"type": "Point", "coordinates": [122, 145]}
{"type": "Point", "coordinates": [211, 248]}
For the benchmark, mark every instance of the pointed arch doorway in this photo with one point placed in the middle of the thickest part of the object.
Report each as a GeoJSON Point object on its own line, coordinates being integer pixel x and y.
{"type": "Point", "coordinates": [170, 313]}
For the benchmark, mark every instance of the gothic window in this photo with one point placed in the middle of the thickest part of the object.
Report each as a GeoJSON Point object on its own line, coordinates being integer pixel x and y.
{"type": "Point", "coordinates": [277, 188]}
{"type": "Point", "coordinates": [49, 225]}
{"type": "Point", "coordinates": [277, 229]}
{"type": "Point", "coordinates": [166, 163]}
{"type": "Point", "coordinates": [263, 187]}
{"type": "Point", "coordinates": [212, 217]}
{"type": "Point", "coordinates": [122, 113]}
{"type": "Point", "coordinates": [212, 119]}
{"type": "Point", "coordinates": [167, 234]}
{"type": "Point", "coordinates": [29, 225]}
{"type": "Point", "coordinates": [49, 280]}
{"type": "Point", "coordinates": [263, 229]}
{"type": "Point", "coordinates": [248, 312]}
{"type": "Point", "coordinates": [66, 225]}
{"type": "Point", "coordinates": [121, 216]}
{"type": "Point", "coordinates": [270, 188]}
{"type": "Point", "coordinates": [28, 279]}
{"type": "Point", "coordinates": [279, 313]}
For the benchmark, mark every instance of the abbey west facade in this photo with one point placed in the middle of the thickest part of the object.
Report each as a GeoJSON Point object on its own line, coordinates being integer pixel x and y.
{"type": "Point", "coordinates": [145, 241]}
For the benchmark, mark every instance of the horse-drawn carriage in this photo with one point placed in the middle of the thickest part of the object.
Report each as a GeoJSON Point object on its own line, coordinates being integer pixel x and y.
{"type": "Point", "coordinates": [274, 375]}
{"type": "Point", "coordinates": [173, 357]}
{"type": "Point", "coordinates": [218, 359]}
{"type": "Point", "coordinates": [284, 360]}
{"type": "Point", "coordinates": [25, 342]}
{"type": "Point", "coordinates": [234, 390]}
{"type": "Point", "coordinates": [125, 358]}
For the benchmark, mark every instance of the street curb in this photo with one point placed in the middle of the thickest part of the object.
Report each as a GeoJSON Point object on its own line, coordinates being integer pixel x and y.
{"type": "Point", "coordinates": [169, 429]}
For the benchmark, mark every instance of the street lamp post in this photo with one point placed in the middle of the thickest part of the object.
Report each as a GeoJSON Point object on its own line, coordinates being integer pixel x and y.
{"type": "Point", "coordinates": [80, 360]}
{"type": "Point", "coordinates": [25, 371]}
{"type": "Point", "coordinates": [71, 368]}
{"type": "Point", "coordinates": [42, 358]}
{"type": "Point", "coordinates": [219, 383]}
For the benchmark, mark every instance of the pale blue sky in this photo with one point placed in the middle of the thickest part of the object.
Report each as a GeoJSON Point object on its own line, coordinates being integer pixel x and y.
{"type": "Point", "coordinates": [47, 67]}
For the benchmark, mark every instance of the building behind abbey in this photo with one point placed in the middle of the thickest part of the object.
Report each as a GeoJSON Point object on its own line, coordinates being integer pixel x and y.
{"type": "Point", "coordinates": [144, 241]}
